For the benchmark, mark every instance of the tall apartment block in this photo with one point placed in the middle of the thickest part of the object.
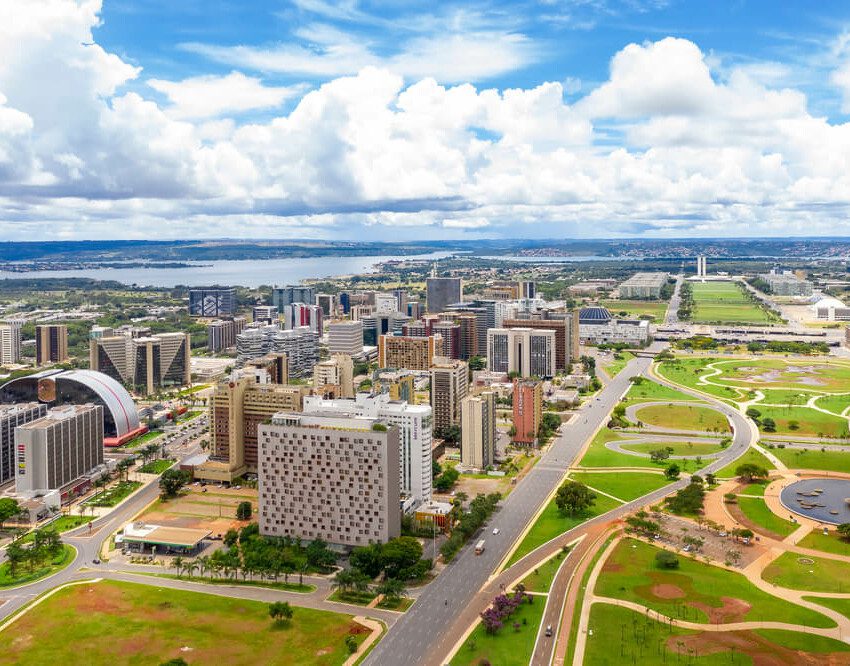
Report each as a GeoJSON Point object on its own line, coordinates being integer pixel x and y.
{"type": "Point", "coordinates": [283, 296]}
{"type": "Point", "coordinates": [327, 303]}
{"type": "Point", "coordinates": [59, 449]}
{"type": "Point", "coordinates": [478, 430]}
{"type": "Point", "coordinates": [442, 292]}
{"type": "Point", "coordinates": [527, 411]}
{"type": "Point", "coordinates": [528, 352]}
{"type": "Point", "coordinates": [345, 337]}
{"type": "Point", "coordinates": [564, 324]}
{"type": "Point", "coordinates": [237, 408]}
{"type": "Point", "coordinates": [398, 384]}
{"type": "Point", "coordinates": [212, 301]}
{"type": "Point", "coordinates": [526, 289]}
{"type": "Point", "coordinates": [51, 344]}
{"type": "Point", "coordinates": [301, 346]}
{"type": "Point", "coordinates": [221, 333]}
{"type": "Point", "coordinates": [147, 363]}
{"type": "Point", "coordinates": [485, 319]}
{"type": "Point", "coordinates": [329, 477]}
{"type": "Point", "coordinates": [415, 436]}
{"type": "Point", "coordinates": [449, 386]}
{"type": "Point", "coordinates": [266, 314]}
{"type": "Point", "coordinates": [408, 353]}
{"type": "Point", "coordinates": [334, 377]}
{"type": "Point", "coordinates": [12, 416]}
{"type": "Point", "coordinates": [296, 315]}
{"type": "Point", "coordinates": [10, 341]}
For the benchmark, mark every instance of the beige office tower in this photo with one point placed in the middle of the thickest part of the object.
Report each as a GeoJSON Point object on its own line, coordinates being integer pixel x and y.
{"type": "Point", "coordinates": [111, 355]}
{"type": "Point", "coordinates": [237, 408]}
{"type": "Point", "coordinates": [329, 477]}
{"type": "Point", "coordinates": [334, 378]}
{"type": "Point", "coordinates": [406, 352]}
{"type": "Point", "coordinates": [51, 344]}
{"type": "Point", "coordinates": [345, 337]}
{"type": "Point", "coordinates": [449, 386]}
{"type": "Point", "coordinates": [145, 363]}
{"type": "Point", "coordinates": [10, 341]}
{"type": "Point", "coordinates": [478, 430]}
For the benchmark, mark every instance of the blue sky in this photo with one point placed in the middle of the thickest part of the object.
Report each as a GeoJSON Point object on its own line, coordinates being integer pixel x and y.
{"type": "Point", "coordinates": [405, 120]}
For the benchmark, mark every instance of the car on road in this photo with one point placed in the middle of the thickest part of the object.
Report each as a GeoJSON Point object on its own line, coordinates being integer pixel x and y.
{"type": "Point", "coordinates": [95, 561]}
{"type": "Point", "coordinates": [548, 630]}
{"type": "Point", "coordinates": [495, 530]}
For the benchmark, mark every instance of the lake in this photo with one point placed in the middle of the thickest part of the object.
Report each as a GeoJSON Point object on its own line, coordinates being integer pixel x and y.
{"type": "Point", "coordinates": [245, 273]}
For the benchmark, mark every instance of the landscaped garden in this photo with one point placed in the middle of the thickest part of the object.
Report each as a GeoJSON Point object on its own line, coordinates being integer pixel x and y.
{"type": "Point", "coordinates": [28, 562]}
{"type": "Point", "coordinates": [683, 417]}
{"type": "Point", "coordinates": [728, 303]}
{"type": "Point", "coordinates": [623, 485]}
{"type": "Point", "coordinates": [693, 590]}
{"type": "Point", "coordinates": [114, 495]}
{"type": "Point", "coordinates": [156, 466]}
{"type": "Point", "coordinates": [646, 390]}
{"type": "Point", "coordinates": [828, 543]}
{"type": "Point", "coordinates": [813, 574]}
{"type": "Point", "coordinates": [826, 460]}
{"type": "Point", "coordinates": [757, 511]}
{"type": "Point", "coordinates": [635, 308]}
{"type": "Point", "coordinates": [115, 622]}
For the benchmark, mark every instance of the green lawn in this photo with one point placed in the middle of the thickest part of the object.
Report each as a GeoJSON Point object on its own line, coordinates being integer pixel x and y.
{"type": "Point", "coordinates": [783, 397]}
{"type": "Point", "coordinates": [809, 422]}
{"type": "Point", "coordinates": [114, 494]}
{"type": "Point", "coordinates": [751, 456]}
{"type": "Point", "coordinates": [754, 489]}
{"type": "Point", "coordinates": [540, 580]}
{"type": "Point", "coordinates": [834, 403]}
{"type": "Point", "coordinates": [821, 375]}
{"type": "Point", "coordinates": [840, 605]}
{"type": "Point", "coordinates": [302, 588]}
{"type": "Point", "coordinates": [509, 647]}
{"type": "Point", "coordinates": [828, 543]}
{"type": "Point", "coordinates": [625, 485]}
{"type": "Point", "coordinates": [650, 391]}
{"type": "Point", "coordinates": [822, 576]}
{"type": "Point", "coordinates": [726, 302]}
{"type": "Point", "coordinates": [552, 522]}
{"type": "Point", "coordinates": [597, 455]}
{"type": "Point", "coordinates": [156, 466]}
{"type": "Point", "coordinates": [631, 573]}
{"type": "Point", "coordinates": [65, 523]}
{"type": "Point", "coordinates": [687, 371]}
{"type": "Point", "coordinates": [101, 624]}
{"type": "Point", "coordinates": [24, 575]}
{"type": "Point", "coordinates": [683, 417]}
{"type": "Point", "coordinates": [614, 366]}
{"type": "Point", "coordinates": [143, 439]}
{"type": "Point", "coordinates": [834, 461]}
{"type": "Point", "coordinates": [629, 308]}
{"type": "Point", "coordinates": [353, 597]}
{"type": "Point", "coordinates": [757, 511]}
{"type": "Point", "coordinates": [692, 448]}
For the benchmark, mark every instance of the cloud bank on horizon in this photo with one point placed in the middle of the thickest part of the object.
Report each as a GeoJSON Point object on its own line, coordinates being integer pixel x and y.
{"type": "Point", "coordinates": [471, 121]}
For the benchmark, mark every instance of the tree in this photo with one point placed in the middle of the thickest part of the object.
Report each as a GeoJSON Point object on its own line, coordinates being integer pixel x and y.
{"type": "Point", "coordinates": [574, 497]}
{"type": "Point", "coordinates": [171, 481]}
{"type": "Point", "coordinates": [664, 559]}
{"type": "Point", "coordinates": [753, 413]}
{"type": "Point", "coordinates": [393, 589]}
{"type": "Point", "coordinates": [8, 509]}
{"type": "Point", "coordinates": [710, 479]}
{"type": "Point", "coordinates": [244, 511]}
{"type": "Point", "coordinates": [749, 472]}
{"type": "Point", "coordinates": [477, 363]}
{"type": "Point", "coordinates": [177, 661]}
{"type": "Point", "coordinates": [177, 563]}
{"type": "Point", "coordinates": [768, 425]}
{"type": "Point", "coordinates": [351, 644]}
{"type": "Point", "coordinates": [280, 611]}
{"type": "Point", "coordinates": [660, 455]}
{"type": "Point", "coordinates": [843, 531]}
{"type": "Point", "coordinates": [672, 472]}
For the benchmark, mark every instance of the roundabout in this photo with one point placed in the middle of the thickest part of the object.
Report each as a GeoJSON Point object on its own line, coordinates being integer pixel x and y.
{"type": "Point", "coordinates": [821, 499]}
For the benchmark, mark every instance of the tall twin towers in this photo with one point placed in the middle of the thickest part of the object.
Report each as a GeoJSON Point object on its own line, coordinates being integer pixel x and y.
{"type": "Point", "coordinates": [701, 267]}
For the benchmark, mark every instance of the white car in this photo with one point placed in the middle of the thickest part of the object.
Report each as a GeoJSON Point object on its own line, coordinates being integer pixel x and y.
{"type": "Point", "coordinates": [495, 530]}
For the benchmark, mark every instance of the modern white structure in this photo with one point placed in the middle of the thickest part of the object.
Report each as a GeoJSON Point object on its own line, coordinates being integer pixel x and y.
{"type": "Point", "coordinates": [301, 346]}
{"type": "Point", "coordinates": [701, 266]}
{"type": "Point", "coordinates": [831, 309]}
{"type": "Point", "coordinates": [12, 416]}
{"type": "Point", "coordinates": [529, 352]}
{"type": "Point", "coordinates": [264, 313]}
{"type": "Point", "coordinates": [386, 303]}
{"type": "Point", "coordinates": [345, 337]}
{"type": "Point", "coordinates": [596, 326]}
{"type": "Point", "coordinates": [300, 314]}
{"type": "Point", "coordinates": [415, 436]}
{"type": "Point", "coordinates": [336, 375]}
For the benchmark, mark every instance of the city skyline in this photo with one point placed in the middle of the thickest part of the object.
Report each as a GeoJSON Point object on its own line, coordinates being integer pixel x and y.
{"type": "Point", "coordinates": [315, 119]}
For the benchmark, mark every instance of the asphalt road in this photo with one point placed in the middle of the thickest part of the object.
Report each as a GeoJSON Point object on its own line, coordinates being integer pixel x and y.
{"type": "Point", "coordinates": [672, 315]}
{"type": "Point", "coordinates": [422, 635]}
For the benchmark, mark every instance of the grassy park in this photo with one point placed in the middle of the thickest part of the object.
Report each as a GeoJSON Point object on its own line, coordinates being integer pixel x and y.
{"type": "Point", "coordinates": [552, 522]}
{"type": "Point", "coordinates": [114, 495]}
{"type": "Point", "coordinates": [24, 575]}
{"type": "Point", "coordinates": [624, 485]}
{"type": "Point", "coordinates": [828, 461]}
{"type": "Point", "coordinates": [750, 457]}
{"type": "Point", "coordinates": [540, 579]}
{"type": "Point", "coordinates": [757, 511]}
{"type": "Point", "coordinates": [727, 303]}
{"type": "Point", "coordinates": [511, 646]}
{"type": "Point", "coordinates": [694, 591]}
{"type": "Point", "coordinates": [694, 447]}
{"type": "Point", "coordinates": [634, 308]}
{"type": "Point", "coordinates": [650, 391]}
{"type": "Point", "coordinates": [683, 417]}
{"type": "Point", "coordinates": [828, 543]}
{"type": "Point", "coordinates": [812, 574]}
{"type": "Point", "coordinates": [114, 622]}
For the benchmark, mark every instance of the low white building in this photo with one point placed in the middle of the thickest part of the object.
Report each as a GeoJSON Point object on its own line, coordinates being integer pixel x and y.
{"type": "Point", "coordinates": [596, 326]}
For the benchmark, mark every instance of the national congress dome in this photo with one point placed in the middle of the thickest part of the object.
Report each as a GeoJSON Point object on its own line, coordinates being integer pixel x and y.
{"type": "Point", "coordinates": [76, 387]}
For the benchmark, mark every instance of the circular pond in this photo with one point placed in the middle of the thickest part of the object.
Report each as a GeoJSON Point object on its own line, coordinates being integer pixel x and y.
{"type": "Point", "coordinates": [825, 500]}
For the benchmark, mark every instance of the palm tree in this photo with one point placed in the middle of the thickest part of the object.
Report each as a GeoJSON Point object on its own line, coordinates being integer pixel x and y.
{"type": "Point", "coordinates": [287, 569]}
{"type": "Point", "coordinates": [192, 567]}
{"type": "Point", "coordinates": [303, 565]}
{"type": "Point", "coordinates": [203, 565]}
{"type": "Point", "coordinates": [177, 562]}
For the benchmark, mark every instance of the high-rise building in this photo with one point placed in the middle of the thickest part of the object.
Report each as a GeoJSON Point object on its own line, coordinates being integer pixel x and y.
{"type": "Point", "coordinates": [478, 430]}
{"type": "Point", "coordinates": [10, 341]}
{"type": "Point", "coordinates": [386, 303]}
{"type": "Point", "coordinates": [414, 309]}
{"type": "Point", "coordinates": [300, 344]}
{"type": "Point", "coordinates": [269, 369]}
{"type": "Point", "coordinates": [528, 410]}
{"type": "Point", "coordinates": [51, 344]}
{"type": "Point", "coordinates": [327, 303]}
{"type": "Point", "coordinates": [449, 386]}
{"type": "Point", "coordinates": [442, 292]}
{"type": "Point", "coordinates": [450, 333]}
{"type": "Point", "coordinates": [266, 314]}
{"type": "Point", "coordinates": [335, 376]}
{"type": "Point", "coordinates": [98, 332]}
{"type": "Point", "coordinates": [407, 353]}
{"type": "Point", "coordinates": [345, 302]}
{"type": "Point", "coordinates": [12, 416]}
{"type": "Point", "coordinates": [329, 477]}
{"type": "Point", "coordinates": [221, 333]}
{"type": "Point", "coordinates": [145, 363]}
{"type": "Point", "coordinates": [414, 423]}
{"type": "Point", "coordinates": [526, 351]}
{"type": "Point", "coordinates": [212, 301]}
{"type": "Point", "coordinates": [401, 300]}
{"type": "Point", "coordinates": [302, 314]}
{"type": "Point", "coordinates": [283, 296]}
{"type": "Point", "coordinates": [345, 337]}
{"type": "Point", "coordinates": [566, 328]}
{"type": "Point", "coordinates": [526, 289]}
{"type": "Point", "coordinates": [55, 452]}
{"type": "Point", "coordinates": [237, 408]}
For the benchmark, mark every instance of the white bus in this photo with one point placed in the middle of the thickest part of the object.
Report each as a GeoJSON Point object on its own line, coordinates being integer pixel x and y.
{"type": "Point", "coordinates": [479, 547]}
